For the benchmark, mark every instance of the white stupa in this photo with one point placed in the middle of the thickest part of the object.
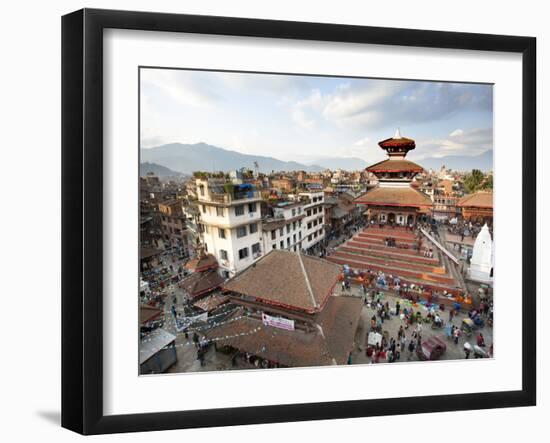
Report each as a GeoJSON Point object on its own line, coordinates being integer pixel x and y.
{"type": "Point", "coordinates": [481, 264]}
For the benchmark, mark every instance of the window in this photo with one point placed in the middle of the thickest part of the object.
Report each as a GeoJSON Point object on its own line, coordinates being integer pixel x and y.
{"type": "Point", "coordinates": [288, 241]}
{"type": "Point", "coordinates": [293, 212]}
{"type": "Point", "coordinates": [293, 225]}
{"type": "Point", "coordinates": [252, 207]}
{"type": "Point", "coordinates": [274, 246]}
{"type": "Point", "coordinates": [243, 253]}
{"type": "Point", "coordinates": [241, 231]}
{"type": "Point", "coordinates": [203, 209]}
{"type": "Point", "coordinates": [288, 229]}
{"type": "Point", "coordinates": [281, 231]}
{"type": "Point", "coordinates": [308, 212]}
{"type": "Point", "coordinates": [300, 235]}
{"type": "Point", "coordinates": [309, 225]}
{"type": "Point", "coordinates": [219, 211]}
{"type": "Point", "coordinates": [239, 210]}
{"type": "Point", "coordinates": [253, 228]}
{"type": "Point", "coordinates": [294, 238]}
{"type": "Point", "coordinates": [309, 237]}
{"type": "Point", "coordinates": [201, 189]}
{"type": "Point", "coordinates": [273, 234]}
{"type": "Point", "coordinates": [256, 248]}
{"type": "Point", "coordinates": [221, 233]}
{"type": "Point", "coordinates": [223, 254]}
{"type": "Point", "coordinates": [282, 244]}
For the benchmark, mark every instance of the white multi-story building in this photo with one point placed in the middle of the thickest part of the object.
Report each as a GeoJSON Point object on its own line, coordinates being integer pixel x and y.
{"type": "Point", "coordinates": [314, 220]}
{"type": "Point", "coordinates": [231, 226]}
{"type": "Point", "coordinates": [285, 229]}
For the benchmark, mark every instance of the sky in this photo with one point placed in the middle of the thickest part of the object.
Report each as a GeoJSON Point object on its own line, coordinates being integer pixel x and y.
{"type": "Point", "coordinates": [309, 118]}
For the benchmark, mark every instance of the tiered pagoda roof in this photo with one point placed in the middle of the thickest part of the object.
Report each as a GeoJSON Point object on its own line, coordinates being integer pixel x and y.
{"type": "Point", "coordinates": [395, 165]}
{"type": "Point", "coordinates": [387, 196]}
{"type": "Point", "coordinates": [395, 175]}
{"type": "Point", "coordinates": [481, 199]}
{"type": "Point", "coordinates": [202, 262]}
{"type": "Point", "coordinates": [200, 283]}
{"type": "Point", "coordinates": [397, 145]}
{"type": "Point", "coordinates": [204, 278]}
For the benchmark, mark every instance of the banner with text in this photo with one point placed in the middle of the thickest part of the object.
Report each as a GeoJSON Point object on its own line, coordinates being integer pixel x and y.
{"type": "Point", "coordinates": [278, 322]}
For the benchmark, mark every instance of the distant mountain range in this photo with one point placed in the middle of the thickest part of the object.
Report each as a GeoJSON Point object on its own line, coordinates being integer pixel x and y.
{"type": "Point", "coordinates": [158, 170]}
{"type": "Point", "coordinates": [174, 158]}
{"type": "Point", "coordinates": [483, 162]}
{"type": "Point", "coordinates": [345, 163]}
{"type": "Point", "coordinates": [202, 157]}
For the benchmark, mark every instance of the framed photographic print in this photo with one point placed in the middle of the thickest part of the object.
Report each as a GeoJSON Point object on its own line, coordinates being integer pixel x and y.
{"type": "Point", "coordinates": [269, 221]}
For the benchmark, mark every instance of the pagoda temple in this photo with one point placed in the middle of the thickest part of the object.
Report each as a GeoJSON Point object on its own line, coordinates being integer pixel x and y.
{"type": "Point", "coordinates": [204, 277]}
{"type": "Point", "coordinates": [287, 314]}
{"type": "Point", "coordinates": [477, 207]}
{"type": "Point", "coordinates": [394, 200]}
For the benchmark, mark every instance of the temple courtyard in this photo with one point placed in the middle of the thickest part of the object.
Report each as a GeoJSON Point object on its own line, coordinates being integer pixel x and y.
{"type": "Point", "coordinates": [215, 361]}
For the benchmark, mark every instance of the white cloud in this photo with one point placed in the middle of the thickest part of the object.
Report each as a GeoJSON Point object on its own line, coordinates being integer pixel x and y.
{"type": "Point", "coordinates": [381, 103]}
{"type": "Point", "coordinates": [460, 142]}
{"type": "Point", "coordinates": [305, 112]}
{"type": "Point", "coordinates": [364, 105]}
{"type": "Point", "coordinates": [456, 133]}
{"type": "Point", "coordinates": [185, 87]}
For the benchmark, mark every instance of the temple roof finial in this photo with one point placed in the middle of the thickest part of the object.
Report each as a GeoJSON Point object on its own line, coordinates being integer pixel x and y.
{"type": "Point", "coordinates": [397, 134]}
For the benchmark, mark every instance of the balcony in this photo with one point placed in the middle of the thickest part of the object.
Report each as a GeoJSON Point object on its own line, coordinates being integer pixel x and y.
{"type": "Point", "coordinates": [226, 192]}
{"type": "Point", "coordinates": [237, 197]}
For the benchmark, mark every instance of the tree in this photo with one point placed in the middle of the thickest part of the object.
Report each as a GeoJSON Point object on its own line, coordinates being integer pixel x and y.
{"type": "Point", "coordinates": [473, 181]}
{"type": "Point", "coordinates": [488, 183]}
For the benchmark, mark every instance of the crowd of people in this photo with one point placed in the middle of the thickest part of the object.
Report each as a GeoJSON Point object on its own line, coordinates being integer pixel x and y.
{"type": "Point", "coordinates": [371, 279]}
{"type": "Point", "coordinates": [465, 229]}
{"type": "Point", "coordinates": [413, 318]}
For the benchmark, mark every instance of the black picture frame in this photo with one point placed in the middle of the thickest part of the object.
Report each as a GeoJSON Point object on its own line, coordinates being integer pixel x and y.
{"type": "Point", "coordinates": [82, 218]}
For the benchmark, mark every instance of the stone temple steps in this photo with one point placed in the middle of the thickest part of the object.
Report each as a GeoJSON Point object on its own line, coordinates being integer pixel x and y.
{"type": "Point", "coordinates": [427, 277]}
{"type": "Point", "coordinates": [380, 246]}
{"type": "Point", "coordinates": [367, 251]}
{"type": "Point", "coordinates": [384, 253]}
{"type": "Point", "coordinates": [404, 243]}
{"type": "Point", "coordinates": [384, 233]}
{"type": "Point", "coordinates": [390, 262]}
